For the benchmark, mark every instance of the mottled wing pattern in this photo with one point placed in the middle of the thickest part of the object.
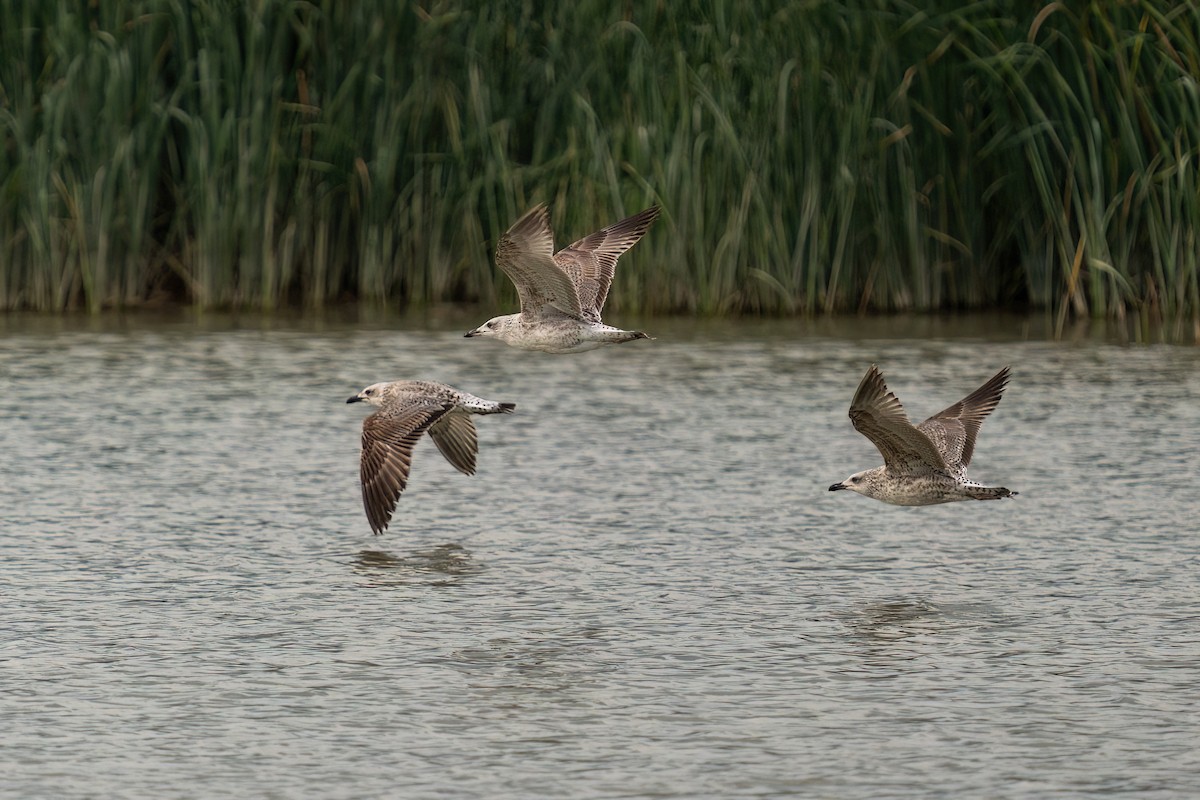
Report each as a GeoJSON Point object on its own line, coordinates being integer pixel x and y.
{"type": "Point", "coordinates": [434, 392]}
{"type": "Point", "coordinates": [592, 261]}
{"type": "Point", "coordinates": [454, 434]}
{"type": "Point", "coordinates": [953, 430]}
{"type": "Point", "coordinates": [526, 255]}
{"type": "Point", "coordinates": [388, 438]}
{"type": "Point", "coordinates": [878, 415]}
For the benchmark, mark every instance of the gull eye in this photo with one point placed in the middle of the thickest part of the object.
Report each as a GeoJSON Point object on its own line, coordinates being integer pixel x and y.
{"type": "Point", "coordinates": [369, 391]}
{"type": "Point", "coordinates": [491, 324]}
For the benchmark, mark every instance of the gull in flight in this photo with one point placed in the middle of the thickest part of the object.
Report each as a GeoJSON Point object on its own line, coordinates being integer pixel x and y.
{"type": "Point", "coordinates": [407, 410]}
{"type": "Point", "coordinates": [562, 293]}
{"type": "Point", "coordinates": [923, 464]}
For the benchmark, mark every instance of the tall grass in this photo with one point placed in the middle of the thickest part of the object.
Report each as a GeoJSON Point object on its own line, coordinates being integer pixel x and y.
{"type": "Point", "coordinates": [809, 157]}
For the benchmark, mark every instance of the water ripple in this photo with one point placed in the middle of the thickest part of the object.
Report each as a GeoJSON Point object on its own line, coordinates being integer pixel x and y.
{"type": "Point", "coordinates": [645, 591]}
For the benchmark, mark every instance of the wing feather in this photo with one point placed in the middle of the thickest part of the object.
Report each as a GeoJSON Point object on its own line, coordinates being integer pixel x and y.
{"type": "Point", "coordinates": [526, 255]}
{"type": "Point", "coordinates": [454, 434]}
{"type": "Point", "coordinates": [388, 439]}
{"type": "Point", "coordinates": [877, 414]}
{"type": "Point", "coordinates": [591, 262]}
{"type": "Point", "coordinates": [953, 430]}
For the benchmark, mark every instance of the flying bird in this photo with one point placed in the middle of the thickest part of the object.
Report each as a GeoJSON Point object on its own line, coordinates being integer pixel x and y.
{"type": "Point", "coordinates": [923, 464]}
{"type": "Point", "coordinates": [563, 293]}
{"type": "Point", "coordinates": [407, 410]}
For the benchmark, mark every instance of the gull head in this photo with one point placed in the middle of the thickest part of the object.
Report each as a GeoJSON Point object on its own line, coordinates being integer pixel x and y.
{"type": "Point", "coordinates": [862, 482]}
{"type": "Point", "coordinates": [373, 395]}
{"type": "Point", "coordinates": [497, 327]}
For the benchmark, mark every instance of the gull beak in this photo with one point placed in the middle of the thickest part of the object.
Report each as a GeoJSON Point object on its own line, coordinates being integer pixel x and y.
{"type": "Point", "coordinates": [356, 399]}
{"type": "Point", "coordinates": [837, 486]}
{"type": "Point", "coordinates": [469, 334]}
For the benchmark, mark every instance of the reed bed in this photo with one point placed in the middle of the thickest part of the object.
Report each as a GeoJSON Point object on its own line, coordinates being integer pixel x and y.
{"type": "Point", "coordinates": [809, 157]}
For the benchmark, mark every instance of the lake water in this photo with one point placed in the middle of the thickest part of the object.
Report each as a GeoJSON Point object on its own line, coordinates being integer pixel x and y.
{"type": "Point", "coordinates": [646, 590]}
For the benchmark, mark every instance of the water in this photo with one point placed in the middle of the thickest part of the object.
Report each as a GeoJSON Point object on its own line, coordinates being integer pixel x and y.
{"type": "Point", "coordinates": [646, 591]}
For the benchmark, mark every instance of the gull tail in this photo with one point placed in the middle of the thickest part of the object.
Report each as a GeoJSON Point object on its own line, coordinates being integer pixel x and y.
{"type": "Point", "coordinates": [989, 493]}
{"type": "Point", "coordinates": [478, 405]}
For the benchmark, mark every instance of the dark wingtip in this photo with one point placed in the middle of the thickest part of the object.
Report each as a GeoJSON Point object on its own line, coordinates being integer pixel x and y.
{"type": "Point", "coordinates": [508, 408]}
{"type": "Point", "coordinates": [641, 335]}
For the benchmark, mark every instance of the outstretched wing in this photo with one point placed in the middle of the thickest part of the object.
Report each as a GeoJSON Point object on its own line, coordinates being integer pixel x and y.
{"type": "Point", "coordinates": [592, 261]}
{"type": "Point", "coordinates": [454, 434]}
{"type": "Point", "coordinates": [878, 415]}
{"type": "Point", "coordinates": [526, 255]}
{"type": "Point", "coordinates": [954, 429]}
{"type": "Point", "coordinates": [388, 439]}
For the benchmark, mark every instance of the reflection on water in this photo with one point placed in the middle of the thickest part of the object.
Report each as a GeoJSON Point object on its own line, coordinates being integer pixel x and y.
{"type": "Point", "coordinates": [897, 619]}
{"type": "Point", "coordinates": [645, 591]}
{"type": "Point", "coordinates": [442, 565]}
{"type": "Point", "coordinates": [894, 620]}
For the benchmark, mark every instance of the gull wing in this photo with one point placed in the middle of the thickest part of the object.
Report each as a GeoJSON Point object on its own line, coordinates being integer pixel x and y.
{"type": "Point", "coordinates": [454, 434]}
{"type": "Point", "coordinates": [526, 255]}
{"type": "Point", "coordinates": [591, 261]}
{"type": "Point", "coordinates": [388, 438]}
{"type": "Point", "coordinates": [878, 415]}
{"type": "Point", "coordinates": [953, 430]}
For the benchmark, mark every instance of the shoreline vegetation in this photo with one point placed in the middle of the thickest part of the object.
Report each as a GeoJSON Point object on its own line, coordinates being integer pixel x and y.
{"type": "Point", "coordinates": [871, 156]}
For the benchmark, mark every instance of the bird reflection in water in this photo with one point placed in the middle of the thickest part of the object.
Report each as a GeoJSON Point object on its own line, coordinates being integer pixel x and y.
{"type": "Point", "coordinates": [443, 565]}
{"type": "Point", "coordinates": [896, 619]}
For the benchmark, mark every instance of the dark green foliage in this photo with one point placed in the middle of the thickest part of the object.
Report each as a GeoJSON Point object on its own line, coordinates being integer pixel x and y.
{"type": "Point", "coordinates": [808, 155]}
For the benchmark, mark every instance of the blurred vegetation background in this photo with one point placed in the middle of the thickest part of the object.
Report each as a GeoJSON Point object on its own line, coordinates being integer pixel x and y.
{"type": "Point", "coordinates": [809, 156]}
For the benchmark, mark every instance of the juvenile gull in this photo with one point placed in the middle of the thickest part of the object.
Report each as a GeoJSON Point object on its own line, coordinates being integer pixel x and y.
{"type": "Point", "coordinates": [923, 464]}
{"type": "Point", "coordinates": [562, 293]}
{"type": "Point", "coordinates": [408, 409]}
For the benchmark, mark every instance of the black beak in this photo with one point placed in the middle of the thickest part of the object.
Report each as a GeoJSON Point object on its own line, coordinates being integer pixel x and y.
{"type": "Point", "coordinates": [355, 399]}
{"type": "Point", "coordinates": [837, 486]}
{"type": "Point", "coordinates": [469, 334]}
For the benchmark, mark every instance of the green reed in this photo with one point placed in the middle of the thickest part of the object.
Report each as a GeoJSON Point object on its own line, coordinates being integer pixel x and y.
{"type": "Point", "coordinates": [869, 155]}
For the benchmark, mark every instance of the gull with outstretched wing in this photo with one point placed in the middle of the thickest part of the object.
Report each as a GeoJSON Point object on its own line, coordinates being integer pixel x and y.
{"type": "Point", "coordinates": [923, 464]}
{"type": "Point", "coordinates": [407, 411]}
{"type": "Point", "coordinates": [562, 294]}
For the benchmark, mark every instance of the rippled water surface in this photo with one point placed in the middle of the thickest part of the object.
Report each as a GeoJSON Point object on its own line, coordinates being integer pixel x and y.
{"type": "Point", "coordinates": [646, 591]}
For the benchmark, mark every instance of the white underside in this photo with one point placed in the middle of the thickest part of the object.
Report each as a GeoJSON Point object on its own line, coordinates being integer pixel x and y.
{"type": "Point", "coordinates": [564, 336]}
